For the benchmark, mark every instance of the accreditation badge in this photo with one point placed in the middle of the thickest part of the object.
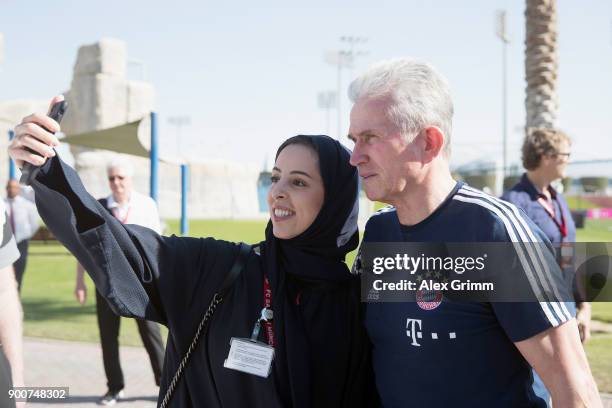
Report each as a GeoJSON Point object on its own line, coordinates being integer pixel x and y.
{"type": "Point", "coordinates": [567, 255]}
{"type": "Point", "coordinates": [251, 357]}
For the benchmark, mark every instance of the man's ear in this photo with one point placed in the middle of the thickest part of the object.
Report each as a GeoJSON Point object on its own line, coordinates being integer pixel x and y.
{"type": "Point", "coordinates": [434, 141]}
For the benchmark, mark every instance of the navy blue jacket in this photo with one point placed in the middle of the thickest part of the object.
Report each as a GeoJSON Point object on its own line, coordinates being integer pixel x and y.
{"type": "Point", "coordinates": [525, 196]}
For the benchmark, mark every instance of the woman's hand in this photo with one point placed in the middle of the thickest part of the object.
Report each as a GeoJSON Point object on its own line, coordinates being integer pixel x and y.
{"type": "Point", "coordinates": [37, 133]}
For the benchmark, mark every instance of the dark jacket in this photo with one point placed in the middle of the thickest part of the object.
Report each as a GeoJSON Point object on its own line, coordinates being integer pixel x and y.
{"type": "Point", "coordinates": [172, 280]}
{"type": "Point", "coordinates": [525, 196]}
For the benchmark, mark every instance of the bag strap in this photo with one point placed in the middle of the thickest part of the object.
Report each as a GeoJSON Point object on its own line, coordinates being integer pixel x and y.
{"type": "Point", "coordinates": [238, 266]}
{"type": "Point", "coordinates": [234, 272]}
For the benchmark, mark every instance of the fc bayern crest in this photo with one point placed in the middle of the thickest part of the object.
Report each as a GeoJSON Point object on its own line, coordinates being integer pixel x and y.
{"type": "Point", "coordinates": [428, 299]}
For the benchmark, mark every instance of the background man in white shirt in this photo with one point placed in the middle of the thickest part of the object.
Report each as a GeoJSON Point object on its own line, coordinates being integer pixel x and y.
{"type": "Point", "coordinates": [23, 221]}
{"type": "Point", "coordinates": [11, 354]}
{"type": "Point", "coordinates": [129, 207]}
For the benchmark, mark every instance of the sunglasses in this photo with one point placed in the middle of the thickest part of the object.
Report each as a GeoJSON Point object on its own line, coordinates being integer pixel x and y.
{"type": "Point", "coordinates": [112, 178]}
{"type": "Point", "coordinates": [559, 154]}
{"type": "Point", "coordinates": [553, 154]}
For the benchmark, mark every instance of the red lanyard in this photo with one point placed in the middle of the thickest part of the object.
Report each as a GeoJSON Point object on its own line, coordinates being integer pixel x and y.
{"type": "Point", "coordinates": [550, 210]}
{"type": "Point", "coordinates": [267, 301]}
{"type": "Point", "coordinates": [127, 214]}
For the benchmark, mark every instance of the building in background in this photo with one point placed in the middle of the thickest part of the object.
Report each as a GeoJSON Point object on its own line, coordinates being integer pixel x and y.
{"type": "Point", "coordinates": [101, 97]}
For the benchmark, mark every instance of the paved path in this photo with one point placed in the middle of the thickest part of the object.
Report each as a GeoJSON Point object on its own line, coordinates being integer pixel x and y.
{"type": "Point", "coordinates": [54, 363]}
{"type": "Point", "coordinates": [600, 327]}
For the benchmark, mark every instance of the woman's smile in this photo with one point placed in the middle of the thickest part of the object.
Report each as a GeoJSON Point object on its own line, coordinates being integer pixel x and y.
{"type": "Point", "coordinates": [282, 213]}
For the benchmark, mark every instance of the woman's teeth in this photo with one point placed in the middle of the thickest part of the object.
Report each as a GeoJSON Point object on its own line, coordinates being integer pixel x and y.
{"type": "Point", "coordinates": [282, 213]}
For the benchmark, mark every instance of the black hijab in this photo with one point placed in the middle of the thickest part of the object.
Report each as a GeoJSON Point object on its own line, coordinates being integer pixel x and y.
{"type": "Point", "coordinates": [315, 260]}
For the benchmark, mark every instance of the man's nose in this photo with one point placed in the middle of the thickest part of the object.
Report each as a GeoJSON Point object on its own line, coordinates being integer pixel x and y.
{"type": "Point", "coordinates": [357, 156]}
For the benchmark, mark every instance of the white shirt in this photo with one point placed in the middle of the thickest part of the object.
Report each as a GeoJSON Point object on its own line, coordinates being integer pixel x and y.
{"type": "Point", "coordinates": [22, 215]}
{"type": "Point", "coordinates": [8, 249]}
{"type": "Point", "coordinates": [140, 210]}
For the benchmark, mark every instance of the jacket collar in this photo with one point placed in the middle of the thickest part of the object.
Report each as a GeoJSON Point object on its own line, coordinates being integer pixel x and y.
{"type": "Point", "coordinates": [533, 192]}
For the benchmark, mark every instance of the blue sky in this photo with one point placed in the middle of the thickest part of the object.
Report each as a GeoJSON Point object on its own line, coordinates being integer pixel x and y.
{"type": "Point", "coordinates": [248, 73]}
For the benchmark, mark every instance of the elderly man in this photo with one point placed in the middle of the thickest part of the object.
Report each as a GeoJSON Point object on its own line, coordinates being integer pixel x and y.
{"type": "Point", "coordinates": [129, 207]}
{"type": "Point", "coordinates": [446, 353]}
{"type": "Point", "coordinates": [23, 220]}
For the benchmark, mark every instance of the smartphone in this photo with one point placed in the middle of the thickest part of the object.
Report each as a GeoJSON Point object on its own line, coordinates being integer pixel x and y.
{"type": "Point", "coordinates": [29, 171]}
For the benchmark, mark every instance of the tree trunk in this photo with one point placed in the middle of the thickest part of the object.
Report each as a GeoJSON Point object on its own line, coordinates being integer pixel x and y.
{"type": "Point", "coordinates": [541, 63]}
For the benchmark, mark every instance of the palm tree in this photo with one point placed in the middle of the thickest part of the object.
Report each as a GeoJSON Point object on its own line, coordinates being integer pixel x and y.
{"type": "Point", "coordinates": [541, 63]}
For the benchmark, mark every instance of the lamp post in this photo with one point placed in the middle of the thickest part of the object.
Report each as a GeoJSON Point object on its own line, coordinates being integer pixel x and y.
{"type": "Point", "coordinates": [326, 100]}
{"type": "Point", "coordinates": [343, 58]}
{"type": "Point", "coordinates": [179, 122]}
{"type": "Point", "coordinates": [154, 157]}
{"type": "Point", "coordinates": [11, 135]}
{"type": "Point", "coordinates": [12, 175]}
{"type": "Point", "coordinates": [500, 32]}
{"type": "Point", "coordinates": [184, 181]}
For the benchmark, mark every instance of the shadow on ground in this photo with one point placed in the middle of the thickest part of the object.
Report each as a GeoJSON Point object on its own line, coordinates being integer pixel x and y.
{"type": "Point", "coordinates": [51, 309]}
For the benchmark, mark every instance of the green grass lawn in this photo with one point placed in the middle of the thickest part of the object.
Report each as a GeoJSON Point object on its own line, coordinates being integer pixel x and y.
{"type": "Point", "coordinates": [51, 311]}
{"type": "Point", "coordinates": [595, 231]}
{"type": "Point", "coordinates": [247, 231]}
{"type": "Point", "coordinates": [579, 202]}
{"type": "Point", "coordinates": [599, 353]}
{"type": "Point", "coordinates": [50, 308]}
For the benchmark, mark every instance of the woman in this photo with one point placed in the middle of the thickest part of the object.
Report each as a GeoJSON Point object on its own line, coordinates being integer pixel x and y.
{"type": "Point", "coordinates": [321, 352]}
{"type": "Point", "coordinates": [545, 154]}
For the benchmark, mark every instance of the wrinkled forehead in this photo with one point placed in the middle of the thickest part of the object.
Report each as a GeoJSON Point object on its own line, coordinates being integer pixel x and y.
{"type": "Point", "coordinates": [370, 114]}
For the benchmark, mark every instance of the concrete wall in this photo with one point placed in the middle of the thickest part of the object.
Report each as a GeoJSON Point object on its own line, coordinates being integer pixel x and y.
{"type": "Point", "coordinates": [101, 97]}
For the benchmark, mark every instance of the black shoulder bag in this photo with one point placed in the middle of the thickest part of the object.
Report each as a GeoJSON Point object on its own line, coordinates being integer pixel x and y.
{"type": "Point", "coordinates": [234, 272]}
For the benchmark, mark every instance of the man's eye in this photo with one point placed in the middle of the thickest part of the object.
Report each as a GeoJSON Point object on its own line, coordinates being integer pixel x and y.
{"type": "Point", "coordinates": [274, 179]}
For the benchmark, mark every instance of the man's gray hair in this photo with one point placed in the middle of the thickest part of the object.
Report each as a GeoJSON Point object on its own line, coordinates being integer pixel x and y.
{"type": "Point", "coordinates": [122, 164]}
{"type": "Point", "coordinates": [420, 96]}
